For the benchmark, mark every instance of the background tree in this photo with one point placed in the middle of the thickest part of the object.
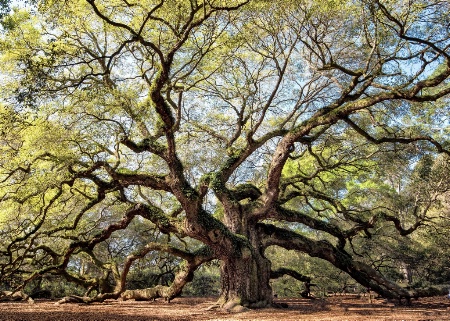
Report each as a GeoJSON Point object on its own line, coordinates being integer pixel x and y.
{"type": "Point", "coordinates": [227, 127]}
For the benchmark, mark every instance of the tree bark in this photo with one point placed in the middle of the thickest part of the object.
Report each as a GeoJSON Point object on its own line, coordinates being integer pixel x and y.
{"type": "Point", "coordinates": [245, 272]}
{"type": "Point", "coordinates": [245, 281]}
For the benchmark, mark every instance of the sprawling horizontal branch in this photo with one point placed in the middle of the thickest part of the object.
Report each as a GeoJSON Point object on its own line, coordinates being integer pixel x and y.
{"type": "Point", "coordinates": [402, 140]}
{"type": "Point", "coordinates": [289, 215]}
{"type": "Point", "coordinates": [284, 214]}
{"type": "Point", "coordinates": [284, 271]}
{"type": "Point", "coordinates": [361, 272]}
{"type": "Point", "coordinates": [123, 178]}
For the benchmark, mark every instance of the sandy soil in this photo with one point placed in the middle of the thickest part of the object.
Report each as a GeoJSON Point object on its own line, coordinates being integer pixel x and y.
{"type": "Point", "coordinates": [333, 308]}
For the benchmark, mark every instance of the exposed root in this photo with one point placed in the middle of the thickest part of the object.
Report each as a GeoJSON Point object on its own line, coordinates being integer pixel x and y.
{"type": "Point", "coordinates": [15, 296]}
{"type": "Point", "coordinates": [234, 307]}
{"type": "Point", "coordinates": [74, 299]}
{"type": "Point", "coordinates": [213, 307]}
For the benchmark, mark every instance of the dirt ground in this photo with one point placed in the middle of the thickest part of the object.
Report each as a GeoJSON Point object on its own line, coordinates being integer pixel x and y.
{"type": "Point", "coordinates": [332, 308]}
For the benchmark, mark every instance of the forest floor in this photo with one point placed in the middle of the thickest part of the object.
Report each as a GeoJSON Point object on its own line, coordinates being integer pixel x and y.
{"type": "Point", "coordinates": [346, 307]}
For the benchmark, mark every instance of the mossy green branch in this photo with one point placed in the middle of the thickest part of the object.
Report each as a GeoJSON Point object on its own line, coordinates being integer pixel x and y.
{"type": "Point", "coordinates": [126, 171]}
{"type": "Point", "coordinates": [247, 190]}
{"type": "Point", "coordinates": [164, 223]}
{"type": "Point", "coordinates": [220, 232]}
{"type": "Point", "coordinates": [151, 144]}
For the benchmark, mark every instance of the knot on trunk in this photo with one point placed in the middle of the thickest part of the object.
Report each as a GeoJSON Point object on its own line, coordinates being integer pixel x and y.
{"type": "Point", "coordinates": [215, 235]}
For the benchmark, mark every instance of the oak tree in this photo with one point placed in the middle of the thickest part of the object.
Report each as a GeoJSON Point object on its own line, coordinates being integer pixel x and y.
{"type": "Point", "coordinates": [223, 127]}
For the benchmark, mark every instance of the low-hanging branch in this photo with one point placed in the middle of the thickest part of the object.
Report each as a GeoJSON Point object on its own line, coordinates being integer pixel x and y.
{"type": "Point", "coordinates": [361, 272]}
{"type": "Point", "coordinates": [278, 273]}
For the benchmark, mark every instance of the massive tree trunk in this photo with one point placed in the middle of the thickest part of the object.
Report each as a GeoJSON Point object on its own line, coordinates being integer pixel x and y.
{"type": "Point", "coordinates": [245, 272]}
{"type": "Point", "coordinates": [245, 281]}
